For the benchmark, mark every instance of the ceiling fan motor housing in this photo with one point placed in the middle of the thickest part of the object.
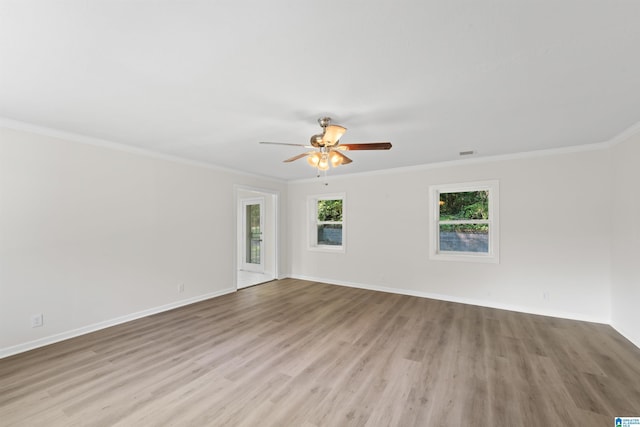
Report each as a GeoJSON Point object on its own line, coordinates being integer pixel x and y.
{"type": "Point", "coordinates": [316, 140]}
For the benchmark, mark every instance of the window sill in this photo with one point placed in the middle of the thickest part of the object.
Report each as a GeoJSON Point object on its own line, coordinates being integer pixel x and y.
{"type": "Point", "coordinates": [327, 248]}
{"type": "Point", "coordinates": [465, 257]}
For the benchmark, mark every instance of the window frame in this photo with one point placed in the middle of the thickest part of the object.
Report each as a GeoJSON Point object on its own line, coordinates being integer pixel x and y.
{"type": "Point", "coordinates": [312, 208]}
{"type": "Point", "coordinates": [492, 256]}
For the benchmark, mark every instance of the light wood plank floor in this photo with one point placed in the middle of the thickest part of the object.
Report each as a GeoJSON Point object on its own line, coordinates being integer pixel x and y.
{"type": "Point", "coordinates": [295, 353]}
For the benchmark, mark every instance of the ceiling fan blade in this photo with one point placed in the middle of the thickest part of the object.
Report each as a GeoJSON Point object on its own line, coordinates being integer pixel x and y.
{"type": "Point", "coordinates": [365, 146]}
{"type": "Point", "coordinates": [345, 159]}
{"type": "Point", "coordinates": [299, 156]}
{"type": "Point", "coordinates": [332, 134]}
{"type": "Point", "coordinates": [284, 143]}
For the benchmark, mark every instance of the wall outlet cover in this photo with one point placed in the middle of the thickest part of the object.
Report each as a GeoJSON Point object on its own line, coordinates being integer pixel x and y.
{"type": "Point", "coordinates": [37, 321]}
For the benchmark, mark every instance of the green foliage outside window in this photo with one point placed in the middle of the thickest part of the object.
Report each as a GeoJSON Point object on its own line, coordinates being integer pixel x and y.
{"type": "Point", "coordinates": [330, 210]}
{"type": "Point", "coordinates": [465, 205]}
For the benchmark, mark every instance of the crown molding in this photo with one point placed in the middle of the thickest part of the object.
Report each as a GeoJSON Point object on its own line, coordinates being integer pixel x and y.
{"type": "Point", "coordinates": [464, 162]}
{"type": "Point", "coordinates": [70, 136]}
{"type": "Point", "coordinates": [619, 138]}
{"type": "Point", "coordinates": [84, 139]}
{"type": "Point", "coordinates": [624, 135]}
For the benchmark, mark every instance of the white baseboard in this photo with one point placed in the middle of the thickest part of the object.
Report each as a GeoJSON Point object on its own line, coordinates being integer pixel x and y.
{"type": "Point", "coordinates": [20, 348]}
{"type": "Point", "coordinates": [634, 340]}
{"type": "Point", "coordinates": [9, 351]}
{"type": "Point", "coordinates": [450, 298]}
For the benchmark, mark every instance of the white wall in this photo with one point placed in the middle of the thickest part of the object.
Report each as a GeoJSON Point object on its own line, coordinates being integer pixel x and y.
{"type": "Point", "coordinates": [91, 236]}
{"type": "Point", "coordinates": [625, 271]}
{"type": "Point", "coordinates": [553, 226]}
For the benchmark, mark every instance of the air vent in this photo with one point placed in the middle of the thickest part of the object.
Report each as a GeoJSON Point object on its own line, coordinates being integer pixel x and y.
{"type": "Point", "coordinates": [467, 153]}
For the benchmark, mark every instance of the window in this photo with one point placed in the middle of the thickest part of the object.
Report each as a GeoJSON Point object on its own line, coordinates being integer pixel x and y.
{"type": "Point", "coordinates": [464, 222]}
{"type": "Point", "coordinates": [326, 228]}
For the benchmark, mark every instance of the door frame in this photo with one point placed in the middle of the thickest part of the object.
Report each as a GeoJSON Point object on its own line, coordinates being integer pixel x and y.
{"type": "Point", "coordinates": [272, 219]}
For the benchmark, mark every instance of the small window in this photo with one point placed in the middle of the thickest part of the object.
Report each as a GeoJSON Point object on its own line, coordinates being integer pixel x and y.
{"type": "Point", "coordinates": [464, 222]}
{"type": "Point", "coordinates": [326, 228]}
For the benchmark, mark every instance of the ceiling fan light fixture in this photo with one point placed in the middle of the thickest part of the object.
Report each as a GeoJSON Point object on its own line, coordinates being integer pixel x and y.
{"type": "Point", "coordinates": [313, 160]}
{"type": "Point", "coordinates": [336, 159]}
{"type": "Point", "coordinates": [323, 164]}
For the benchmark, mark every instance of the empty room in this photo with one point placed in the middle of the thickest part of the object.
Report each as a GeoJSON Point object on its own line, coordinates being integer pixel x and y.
{"type": "Point", "coordinates": [410, 213]}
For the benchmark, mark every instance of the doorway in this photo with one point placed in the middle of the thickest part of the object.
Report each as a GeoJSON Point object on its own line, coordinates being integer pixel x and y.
{"type": "Point", "coordinates": [256, 236]}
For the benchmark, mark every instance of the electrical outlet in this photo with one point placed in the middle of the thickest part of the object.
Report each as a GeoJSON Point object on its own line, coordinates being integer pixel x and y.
{"type": "Point", "coordinates": [37, 320]}
{"type": "Point", "coordinates": [181, 287]}
{"type": "Point", "coordinates": [545, 296]}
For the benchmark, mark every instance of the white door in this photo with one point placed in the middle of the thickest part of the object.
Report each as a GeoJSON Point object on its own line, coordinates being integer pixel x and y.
{"type": "Point", "coordinates": [252, 229]}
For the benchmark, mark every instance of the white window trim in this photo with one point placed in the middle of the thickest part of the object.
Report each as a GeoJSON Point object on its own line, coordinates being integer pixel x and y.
{"type": "Point", "coordinates": [493, 255]}
{"type": "Point", "coordinates": [312, 206]}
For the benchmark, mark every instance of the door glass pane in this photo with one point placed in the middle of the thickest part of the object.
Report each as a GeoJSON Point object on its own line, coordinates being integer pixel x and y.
{"type": "Point", "coordinates": [464, 205]}
{"type": "Point", "coordinates": [464, 238]}
{"type": "Point", "coordinates": [254, 234]}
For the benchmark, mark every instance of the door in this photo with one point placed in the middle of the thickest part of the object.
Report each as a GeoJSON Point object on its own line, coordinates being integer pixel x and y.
{"type": "Point", "coordinates": [256, 261]}
{"type": "Point", "coordinates": [253, 226]}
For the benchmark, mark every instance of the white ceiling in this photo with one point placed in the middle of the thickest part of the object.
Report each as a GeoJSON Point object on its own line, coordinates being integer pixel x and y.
{"type": "Point", "coordinates": [207, 80]}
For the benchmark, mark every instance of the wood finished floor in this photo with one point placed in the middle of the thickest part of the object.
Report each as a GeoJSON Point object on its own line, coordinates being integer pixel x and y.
{"type": "Point", "coordinates": [295, 353]}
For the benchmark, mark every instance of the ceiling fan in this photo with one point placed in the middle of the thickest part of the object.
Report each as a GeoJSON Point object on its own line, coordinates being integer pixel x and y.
{"type": "Point", "coordinates": [327, 149]}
